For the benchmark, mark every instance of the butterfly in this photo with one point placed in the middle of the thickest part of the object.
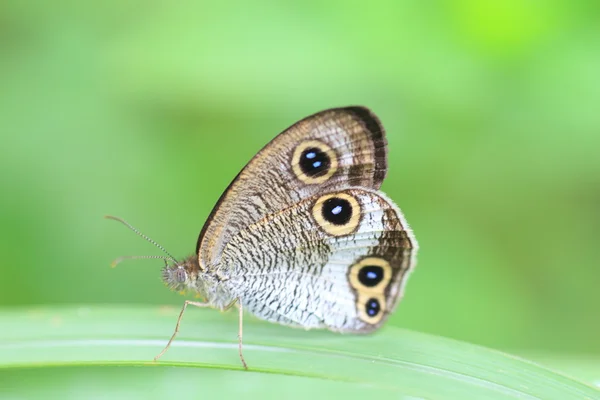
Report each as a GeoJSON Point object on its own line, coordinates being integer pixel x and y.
{"type": "Point", "coordinates": [303, 236]}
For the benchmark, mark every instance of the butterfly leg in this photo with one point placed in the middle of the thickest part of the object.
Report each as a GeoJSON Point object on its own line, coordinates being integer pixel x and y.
{"type": "Point", "coordinates": [240, 325]}
{"type": "Point", "coordinates": [187, 302]}
{"type": "Point", "coordinates": [241, 316]}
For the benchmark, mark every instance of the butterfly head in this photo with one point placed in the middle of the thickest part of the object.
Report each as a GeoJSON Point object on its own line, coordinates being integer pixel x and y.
{"type": "Point", "coordinates": [181, 275]}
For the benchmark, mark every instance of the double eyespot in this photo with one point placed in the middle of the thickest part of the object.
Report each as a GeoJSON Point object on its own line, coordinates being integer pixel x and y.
{"type": "Point", "coordinates": [314, 162]}
{"type": "Point", "coordinates": [337, 214]}
{"type": "Point", "coordinates": [369, 277]}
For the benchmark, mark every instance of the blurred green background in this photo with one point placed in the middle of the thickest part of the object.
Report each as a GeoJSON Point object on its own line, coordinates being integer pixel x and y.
{"type": "Point", "coordinates": [148, 109]}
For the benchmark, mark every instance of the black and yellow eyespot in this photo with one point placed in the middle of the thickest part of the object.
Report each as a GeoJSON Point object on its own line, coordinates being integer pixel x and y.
{"type": "Point", "coordinates": [371, 308]}
{"type": "Point", "coordinates": [337, 214]}
{"type": "Point", "coordinates": [371, 274]}
{"type": "Point", "coordinates": [369, 277]}
{"type": "Point", "coordinates": [314, 162]}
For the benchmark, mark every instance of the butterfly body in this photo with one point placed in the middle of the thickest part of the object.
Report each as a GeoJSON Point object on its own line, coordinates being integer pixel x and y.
{"type": "Point", "coordinates": [303, 236]}
{"type": "Point", "coordinates": [269, 244]}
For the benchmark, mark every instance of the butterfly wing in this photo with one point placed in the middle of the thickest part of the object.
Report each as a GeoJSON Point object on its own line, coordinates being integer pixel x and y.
{"type": "Point", "coordinates": [338, 261]}
{"type": "Point", "coordinates": [339, 148]}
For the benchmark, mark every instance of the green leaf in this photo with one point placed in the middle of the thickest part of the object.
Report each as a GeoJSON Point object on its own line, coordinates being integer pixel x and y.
{"type": "Point", "coordinates": [96, 352]}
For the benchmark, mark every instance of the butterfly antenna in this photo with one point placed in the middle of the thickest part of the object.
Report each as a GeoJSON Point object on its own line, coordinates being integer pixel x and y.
{"type": "Point", "coordinates": [123, 258]}
{"type": "Point", "coordinates": [118, 260]}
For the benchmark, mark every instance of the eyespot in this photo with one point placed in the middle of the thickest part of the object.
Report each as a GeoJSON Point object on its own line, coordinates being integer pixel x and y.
{"type": "Point", "coordinates": [314, 162]}
{"type": "Point", "coordinates": [372, 307]}
{"type": "Point", "coordinates": [337, 211]}
{"type": "Point", "coordinates": [370, 275]}
{"type": "Point", "coordinates": [337, 214]}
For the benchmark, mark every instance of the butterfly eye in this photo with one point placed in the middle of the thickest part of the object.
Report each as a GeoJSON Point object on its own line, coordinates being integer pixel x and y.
{"type": "Point", "coordinates": [180, 275]}
{"type": "Point", "coordinates": [314, 162]}
{"type": "Point", "coordinates": [337, 214]}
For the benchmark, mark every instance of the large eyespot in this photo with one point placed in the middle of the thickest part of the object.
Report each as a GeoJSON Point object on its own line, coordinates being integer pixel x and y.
{"type": "Point", "coordinates": [337, 211]}
{"type": "Point", "coordinates": [337, 214]}
{"type": "Point", "coordinates": [371, 309]}
{"type": "Point", "coordinates": [370, 275]}
{"type": "Point", "coordinates": [314, 162]}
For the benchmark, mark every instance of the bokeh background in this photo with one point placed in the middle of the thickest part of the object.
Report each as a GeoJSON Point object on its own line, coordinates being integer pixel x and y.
{"type": "Point", "coordinates": [148, 109]}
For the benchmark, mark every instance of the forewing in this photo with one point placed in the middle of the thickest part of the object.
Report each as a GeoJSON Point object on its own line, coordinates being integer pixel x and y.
{"type": "Point", "coordinates": [336, 148]}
